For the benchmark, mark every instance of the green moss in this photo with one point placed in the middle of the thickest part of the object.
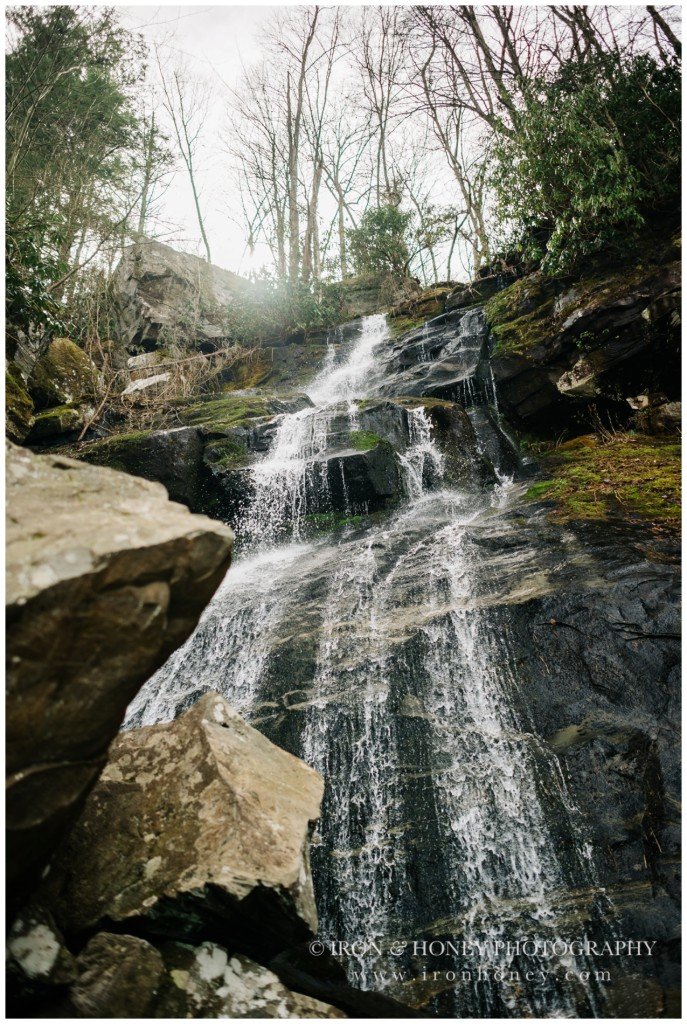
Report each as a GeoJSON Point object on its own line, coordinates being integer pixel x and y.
{"type": "Point", "coordinates": [405, 324]}
{"type": "Point", "coordinates": [61, 419]}
{"type": "Point", "coordinates": [229, 410]}
{"type": "Point", "coordinates": [226, 454]}
{"type": "Point", "coordinates": [521, 316]}
{"type": "Point", "coordinates": [126, 452]}
{"type": "Point", "coordinates": [634, 476]}
{"type": "Point", "coordinates": [64, 374]}
{"type": "Point", "coordinates": [364, 440]}
{"type": "Point", "coordinates": [18, 405]}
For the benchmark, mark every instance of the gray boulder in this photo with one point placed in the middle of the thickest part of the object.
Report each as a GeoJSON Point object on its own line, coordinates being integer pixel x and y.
{"type": "Point", "coordinates": [197, 827]}
{"type": "Point", "coordinates": [105, 578]}
{"type": "Point", "coordinates": [158, 289]}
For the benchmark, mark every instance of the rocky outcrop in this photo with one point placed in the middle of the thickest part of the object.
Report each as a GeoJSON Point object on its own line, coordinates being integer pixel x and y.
{"type": "Point", "coordinates": [105, 577]}
{"type": "Point", "coordinates": [124, 976]}
{"type": "Point", "coordinates": [197, 462]}
{"type": "Point", "coordinates": [439, 359]}
{"type": "Point", "coordinates": [367, 294]}
{"type": "Point", "coordinates": [556, 352]}
{"type": "Point", "coordinates": [160, 292]}
{"type": "Point", "coordinates": [196, 828]}
{"type": "Point", "coordinates": [207, 466]}
{"type": "Point", "coordinates": [559, 350]}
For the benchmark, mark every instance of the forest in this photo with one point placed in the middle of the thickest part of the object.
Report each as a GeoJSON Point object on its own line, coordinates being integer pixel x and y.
{"type": "Point", "coordinates": [425, 142]}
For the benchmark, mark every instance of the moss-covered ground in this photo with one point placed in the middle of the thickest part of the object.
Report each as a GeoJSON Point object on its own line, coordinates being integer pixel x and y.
{"type": "Point", "coordinates": [636, 476]}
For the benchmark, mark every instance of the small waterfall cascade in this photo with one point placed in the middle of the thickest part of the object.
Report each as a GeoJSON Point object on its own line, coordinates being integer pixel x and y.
{"type": "Point", "coordinates": [423, 462]}
{"type": "Point", "coordinates": [376, 656]}
{"type": "Point", "coordinates": [290, 472]}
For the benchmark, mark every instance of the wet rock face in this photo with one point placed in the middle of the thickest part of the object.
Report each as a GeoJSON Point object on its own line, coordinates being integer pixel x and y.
{"type": "Point", "coordinates": [109, 577]}
{"type": "Point", "coordinates": [551, 350]}
{"type": "Point", "coordinates": [157, 288]}
{"type": "Point", "coordinates": [198, 463]}
{"type": "Point", "coordinates": [195, 828]}
{"type": "Point", "coordinates": [440, 358]}
{"type": "Point", "coordinates": [599, 342]}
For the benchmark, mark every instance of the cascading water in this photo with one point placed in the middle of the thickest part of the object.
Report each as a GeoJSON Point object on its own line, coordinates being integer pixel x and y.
{"type": "Point", "coordinates": [376, 658]}
{"type": "Point", "coordinates": [284, 480]}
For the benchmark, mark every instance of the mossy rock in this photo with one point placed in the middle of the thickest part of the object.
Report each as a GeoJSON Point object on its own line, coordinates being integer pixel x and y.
{"type": "Point", "coordinates": [171, 457]}
{"type": "Point", "coordinates": [633, 476]}
{"type": "Point", "coordinates": [364, 440]}
{"type": "Point", "coordinates": [521, 316]}
{"type": "Point", "coordinates": [63, 376]}
{"type": "Point", "coordinates": [226, 453]}
{"type": "Point", "coordinates": [239, 409]}
{"type": "Point", "coordinates": [18, 405]}
{"type": "Point", "coordinates": [126, 452]}
{"type": "Point", "coordinates": [53, 423]}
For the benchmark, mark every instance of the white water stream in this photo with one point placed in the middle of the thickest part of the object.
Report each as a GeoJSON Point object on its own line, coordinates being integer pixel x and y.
{"type": "Point", "coordinates": [406, 664]}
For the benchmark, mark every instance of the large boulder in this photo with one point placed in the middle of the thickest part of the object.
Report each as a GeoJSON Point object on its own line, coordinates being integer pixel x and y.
{"type": "Point", "coordinates": [63, 375]}
{"type": "Point", "coordinates": [105, 577]}
{"type": "Point", "coordinates": [197, 829]}
{"type": "Point", "coordinates": [123, 976]}
{"type": "Point", "coordinates": [171, 457]}
{"type": "Point", "coordinates": [159, 290]}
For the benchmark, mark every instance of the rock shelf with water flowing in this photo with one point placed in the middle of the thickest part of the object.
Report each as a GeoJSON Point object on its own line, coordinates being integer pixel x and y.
{"type": "Point", "coordinates": [404, 652]}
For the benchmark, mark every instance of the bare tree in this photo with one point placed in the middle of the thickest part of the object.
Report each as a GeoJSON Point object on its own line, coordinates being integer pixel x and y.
{"type": "Point", "coordinates": [378, 54]}
{"type": "Point", "coordinates": [186, 102]}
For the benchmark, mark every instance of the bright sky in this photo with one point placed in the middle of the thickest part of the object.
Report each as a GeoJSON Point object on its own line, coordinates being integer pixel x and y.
{"type": "Point", "coordinates": [214, 42]}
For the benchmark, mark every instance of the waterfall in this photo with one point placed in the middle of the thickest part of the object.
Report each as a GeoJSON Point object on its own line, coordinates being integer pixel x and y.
{"type": "Point", "coordinates": [379, 660]}
{"type": "Point", "coordinates": [290, 472]}
{"type": "Point", "coordinates": [424, 460]}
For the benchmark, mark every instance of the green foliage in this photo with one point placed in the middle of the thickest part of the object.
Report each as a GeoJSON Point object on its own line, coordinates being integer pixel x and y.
{"type": "Point", "coordinates": [592, 154]}
{"type": "Point", "coordinates": [379, 244]}
{"type": "Point", "coordinates": [70, 132]}
{"type": "Point", "coordinates": [28, 275]}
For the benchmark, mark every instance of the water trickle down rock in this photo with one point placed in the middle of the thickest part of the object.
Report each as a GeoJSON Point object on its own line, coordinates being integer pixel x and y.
{"type": "Point", "coordinates": [402, 660]}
